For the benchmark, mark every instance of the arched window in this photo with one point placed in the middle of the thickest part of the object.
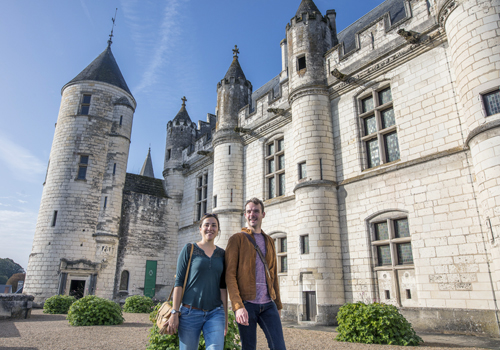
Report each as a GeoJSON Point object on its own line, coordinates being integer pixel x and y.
{"type": "Point", "coordinates": [124, 280]}
{"type": "Point", "coordinates": [390, 237]}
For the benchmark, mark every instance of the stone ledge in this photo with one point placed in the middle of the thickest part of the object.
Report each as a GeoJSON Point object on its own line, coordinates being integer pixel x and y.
{"type": "Point", "coordinates": [15, 305]}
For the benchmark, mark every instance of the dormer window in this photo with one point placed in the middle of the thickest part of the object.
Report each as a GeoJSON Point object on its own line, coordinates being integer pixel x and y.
{"type": "Point", "coordinates": [85, 106]}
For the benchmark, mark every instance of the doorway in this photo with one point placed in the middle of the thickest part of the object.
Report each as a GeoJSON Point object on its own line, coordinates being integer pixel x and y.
{"type": "Point", "coordinates": [77, 289]}
{"type": "Point", "coordinates": [310, 306]}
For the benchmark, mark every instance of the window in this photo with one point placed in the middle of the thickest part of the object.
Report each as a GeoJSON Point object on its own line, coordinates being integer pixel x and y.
{"type": "Point", "coordinates": [54, 218]}
{"type": "Point", "coordinates": [392, 242]}
{"type": "Point", "coordinates": [378, 122]}
{"type": "Point", "coordinates": [121, 119]}
{"type": "Point", "coordinates": [302, 171]}
{"type": "Point", "coordinates": [82, 167]}
{"type": "Point", "coordinates": [201, 195]}
{"type": "Point", "coordinates": [491, 102]}
{"type": "Point", "coordinates": [275, 168]}
{"type": "Point", "coordinates": [215, 201]}
{"type": "Point", "coordinates": [85, 106]}
{"type": "Point", "coordinates": [169, 154]}
{"type": "Point", "coordinates": [105, 202]}
{"type": "Point", "coordinates": [114, 169]}
{"type": "Point", "coordinates": [281, 245]}
{"type": "Point", "coordinates": [393, 259]}
{"type": "Point", "coordinates": [301, 63]}
{"type": "Point", "coordinates": [304, 244]}
{"type": "Point", "coordinates": [124, 280]}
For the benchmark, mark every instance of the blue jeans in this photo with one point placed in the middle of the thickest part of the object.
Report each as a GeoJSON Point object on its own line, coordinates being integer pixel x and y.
{"type": "Point", "coordinates": [266, 315]}
{"type": "Point", "coordinates": [192, 322]}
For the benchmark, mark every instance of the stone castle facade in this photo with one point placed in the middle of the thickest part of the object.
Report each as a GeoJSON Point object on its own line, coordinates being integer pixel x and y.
{"type": "Point", "coordinates": [376, 150]}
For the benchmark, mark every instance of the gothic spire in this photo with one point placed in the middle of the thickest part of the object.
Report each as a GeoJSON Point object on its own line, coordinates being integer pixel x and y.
{"type": "Point", "coordinates": [307, 6]}
{"type": "Point", "coordinates": [147, 168]}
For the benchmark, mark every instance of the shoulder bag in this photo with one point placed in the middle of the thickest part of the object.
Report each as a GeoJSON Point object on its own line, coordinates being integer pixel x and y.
{"type": "Point", "coordinates": [166, 308]}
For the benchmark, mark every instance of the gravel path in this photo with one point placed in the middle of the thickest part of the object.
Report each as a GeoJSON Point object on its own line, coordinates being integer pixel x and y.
{"type": "Point", "coordinates": [49, 332]}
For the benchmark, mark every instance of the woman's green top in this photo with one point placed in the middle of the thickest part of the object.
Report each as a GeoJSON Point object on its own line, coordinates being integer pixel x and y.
{"type": "Point", "coordinates": [207, 276]}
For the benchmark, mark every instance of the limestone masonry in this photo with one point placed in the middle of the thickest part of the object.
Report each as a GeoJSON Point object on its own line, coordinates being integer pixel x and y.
{"type": "Point", "coordinates": [376, 150]}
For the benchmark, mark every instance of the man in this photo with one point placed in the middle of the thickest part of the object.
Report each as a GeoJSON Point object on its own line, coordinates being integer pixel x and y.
{"type": "Point", "coordinates": [254, 291]}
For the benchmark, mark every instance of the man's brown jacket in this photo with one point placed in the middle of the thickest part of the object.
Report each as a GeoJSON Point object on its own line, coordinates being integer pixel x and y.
{"type": "Point", "coordinates": [240, 269]}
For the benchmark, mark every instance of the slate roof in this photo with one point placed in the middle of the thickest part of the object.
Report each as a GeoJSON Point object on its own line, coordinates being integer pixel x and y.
{"type": "Point", "coordinates": [182, 115]}
{"type": "Point", "coordinates": [396, 10]}
{"type": "Point", "coordinates": [235, 70]}
{"type": "Point", "coordinates": [307, 6]}
{"type": "Point", "coordinates": [147, 167]}
{"type": "Point", "coordinates": [104, 69]}
{"type": "Point", "coordinates": [144, 185]}
{"type": "Point", "coordinates": [273, 84]}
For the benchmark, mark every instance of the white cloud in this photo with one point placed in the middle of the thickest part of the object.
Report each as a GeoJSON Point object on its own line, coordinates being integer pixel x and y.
{"type": "Point", "coordinates": [16, 234]}
{"type": "Point", "coordinates": [86, 10]}
{"type": "Point", "coordinates": [20, 160]}
{"type": "Point", "coordinates": [154, 50]}
{"type": "Point", "coordinates": [21, 201]}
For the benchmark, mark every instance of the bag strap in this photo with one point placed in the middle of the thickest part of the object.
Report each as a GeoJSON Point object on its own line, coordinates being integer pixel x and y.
{"type": "Point", "coordinates": [185, 278]}
{"type": "Point", "coordinates": [260, 253]}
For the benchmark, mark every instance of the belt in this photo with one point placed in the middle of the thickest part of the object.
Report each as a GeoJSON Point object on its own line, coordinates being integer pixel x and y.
{"type": "Point", "coordinates": [192, 307]}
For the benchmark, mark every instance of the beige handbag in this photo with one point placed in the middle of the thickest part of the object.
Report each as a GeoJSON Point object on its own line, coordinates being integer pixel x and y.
{"type": "Point", "coordinates": [166, 308]}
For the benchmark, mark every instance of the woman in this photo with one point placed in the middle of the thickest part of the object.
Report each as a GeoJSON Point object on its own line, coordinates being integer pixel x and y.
{"type": "Point", "coordinates": [204, 304]}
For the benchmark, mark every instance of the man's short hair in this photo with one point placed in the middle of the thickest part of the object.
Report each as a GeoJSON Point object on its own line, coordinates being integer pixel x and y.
{"type": "Point", "coordinates": [256, 201]}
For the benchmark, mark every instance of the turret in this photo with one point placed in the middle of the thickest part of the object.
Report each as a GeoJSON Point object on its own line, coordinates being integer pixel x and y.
{"type": "Point", "coordinates": [472, 31]}
{"type": "Point", "coordinates": [233, 93]}
{"type": "Point", "coordinates": [309, 36]}
{"type": "Point", "coordinates": [181, 133]}
{"type": "Point", "coordinates": [76, 237]}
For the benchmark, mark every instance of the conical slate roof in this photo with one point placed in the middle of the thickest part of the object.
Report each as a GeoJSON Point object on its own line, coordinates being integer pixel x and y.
{"type": "Point", "coordinates": [147, 168]}
{"type": "Point", "coordinates": [235, 70]}
{"type": "Point", "coordinates": [307, 6]}
{"type": "Point", "coordinates": [182, 115]}
{"type": "Point", "coordinates": [104, 69]}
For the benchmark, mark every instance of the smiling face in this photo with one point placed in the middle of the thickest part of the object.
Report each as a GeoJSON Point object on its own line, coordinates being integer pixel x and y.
{"type": "Point", "coordinates": [209, 229]}
{"type": "Point", "coordinates": [254, 216]}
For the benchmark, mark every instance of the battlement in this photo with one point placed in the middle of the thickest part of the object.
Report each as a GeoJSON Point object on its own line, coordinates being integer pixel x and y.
{"type": "Point", "coordinates": [234, 80]}
{"type": "Point", "coordinates": [306, 17]}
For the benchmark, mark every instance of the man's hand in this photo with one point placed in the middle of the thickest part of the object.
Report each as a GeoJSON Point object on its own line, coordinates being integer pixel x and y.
{"type": "Point", "coordinates": [242, 316]}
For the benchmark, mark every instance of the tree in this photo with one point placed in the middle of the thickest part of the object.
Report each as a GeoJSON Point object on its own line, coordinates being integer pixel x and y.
{"type": "Point", "coordinates": [14, 280]}
{"type": "Point", "coordinates": [3, 279]}
{"type": "Point", "coordinates": [8, 267]}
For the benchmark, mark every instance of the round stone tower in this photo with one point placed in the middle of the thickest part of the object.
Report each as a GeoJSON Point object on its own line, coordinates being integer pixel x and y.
{"type": "Point", "coordinates": [309, 36]}
{"type": "Point", "coordinates": [472, 28]}
{"type": "Point", "coordinates": [181, 132]}
{"type": "Point", "coordinates": [233, 93]}
{"type": "Point", "coordinates": [76, 238]}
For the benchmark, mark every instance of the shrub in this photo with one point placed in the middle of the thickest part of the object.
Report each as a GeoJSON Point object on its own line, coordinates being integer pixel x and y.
{"type": "Point", "coordinates": [58, 304]}
{"type": "Point", "coordinates": [171, 342]}
{"type": "Point", "coordinates": [94, 311]}
{"type": "Point", "coordinates": [138, 304]}
{"type": "Point", "coordinates": [374, 324]}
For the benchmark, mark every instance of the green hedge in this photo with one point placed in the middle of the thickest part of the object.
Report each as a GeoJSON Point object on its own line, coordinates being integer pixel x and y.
{"type": "Point", "coordinates": [138, 304]}
{"type": "Point", "coordinates": [58, 304]}
{"type": "Point", "coordinates": [94, 311]}
{"type": "Point", "coordinates": [374, 324]}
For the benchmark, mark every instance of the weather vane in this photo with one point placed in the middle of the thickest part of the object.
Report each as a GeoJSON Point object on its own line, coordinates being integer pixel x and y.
{"type": "Point", "coordinates": [112, 27]}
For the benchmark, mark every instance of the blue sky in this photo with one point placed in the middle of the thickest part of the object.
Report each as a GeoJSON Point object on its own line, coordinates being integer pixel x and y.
{"type": "Point", "coordinates": [166, 49]}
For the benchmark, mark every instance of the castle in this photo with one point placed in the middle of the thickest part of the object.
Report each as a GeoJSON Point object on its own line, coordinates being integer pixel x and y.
{"type": "Point", "coordinates": [376, 151]}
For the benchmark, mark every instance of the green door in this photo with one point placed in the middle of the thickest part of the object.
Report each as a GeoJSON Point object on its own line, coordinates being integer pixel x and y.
{"type": "Point", "coordinates": [150, 278]}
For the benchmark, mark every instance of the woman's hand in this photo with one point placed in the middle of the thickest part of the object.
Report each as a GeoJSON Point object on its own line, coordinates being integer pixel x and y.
{"type": "Point", "coordinates": [225, 329]}
{"type": "Point", "coordinates": [173, 324]}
